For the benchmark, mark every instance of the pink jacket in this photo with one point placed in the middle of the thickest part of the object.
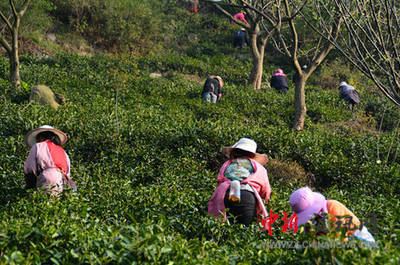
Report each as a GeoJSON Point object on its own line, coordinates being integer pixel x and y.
{"type": "Point", "coordinates": [259, 181]}
{"type": "Point", "coordinates": [40, 164]}
{"type": "Point", "coordinates": [239, 16]}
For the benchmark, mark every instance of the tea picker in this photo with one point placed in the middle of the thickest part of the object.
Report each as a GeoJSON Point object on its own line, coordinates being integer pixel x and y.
{"type": "Point", "coordinates": [279, 81]}
{"type": "Point", "coordinates": [349, 94]}
{"type": "Point", "coordinates": [242, 185]}
{"type": "Point", "coordinates": [48, 166]}
{"type": "Point", "coordinates": [212, 89]}
{"type": "Point", "coordinates": [309, 205]}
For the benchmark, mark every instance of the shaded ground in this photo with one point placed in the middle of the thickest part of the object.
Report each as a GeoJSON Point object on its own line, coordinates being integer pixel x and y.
{"type": "Point", "coordinates": [27, 46]}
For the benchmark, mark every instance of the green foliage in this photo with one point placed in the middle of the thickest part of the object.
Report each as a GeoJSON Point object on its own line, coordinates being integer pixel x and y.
{"type": "Point", "coordinates": [35, 18]}
{"type": "Point", "coordinates": [146, 167]}
{"type": "Point", "coordinates": [387, 115]}
{"type": "Point", "coordinates": [117, 24]}
{"type": "Point", "coordinates": [145, 152]}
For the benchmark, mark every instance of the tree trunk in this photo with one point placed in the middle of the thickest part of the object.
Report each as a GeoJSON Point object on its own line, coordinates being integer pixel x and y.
{"type": "Point", "coordinates": [14, 71]}
{"type": "Point", "coordinates": [257, 71]}
{"type": "Point", "coordinates": [14, 58]}
{"type": "Point", "coordinates": [300, 103]}
{"type": "Point", "coordinates": [257, 48]}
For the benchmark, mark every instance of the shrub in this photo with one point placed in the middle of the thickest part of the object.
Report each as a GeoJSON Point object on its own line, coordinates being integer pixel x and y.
{"type": "Point", "coordinates": [289, 172]}
{"type": "Point", "coordinates": [146, 167]}
{"type": "Point", "coordinates": [145, 153]}
{"type": "Point", "coordinates": [117, 24]}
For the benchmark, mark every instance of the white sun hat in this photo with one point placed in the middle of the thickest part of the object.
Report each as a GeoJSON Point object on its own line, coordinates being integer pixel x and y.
{"type": "Point", "coordinates": [30, 138]}
{"type": "Point", "coordinates": [248, 145]}
{"type": "Point", "coordinates": [221, 82]}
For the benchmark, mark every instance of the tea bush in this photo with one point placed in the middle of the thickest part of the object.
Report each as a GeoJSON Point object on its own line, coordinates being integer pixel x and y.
{"type": "Point", "coordinates": [283, 172]}
{"type": "Point", "coordinates": [145, 153]}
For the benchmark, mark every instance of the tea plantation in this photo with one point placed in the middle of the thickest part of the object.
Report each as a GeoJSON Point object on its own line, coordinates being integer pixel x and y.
{"type": "Point", "coordinates": [145, 154]}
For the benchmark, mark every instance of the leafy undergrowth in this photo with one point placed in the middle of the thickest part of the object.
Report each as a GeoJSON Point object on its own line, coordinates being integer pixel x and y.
{"type": "Point", "coordinates": [145, 153]}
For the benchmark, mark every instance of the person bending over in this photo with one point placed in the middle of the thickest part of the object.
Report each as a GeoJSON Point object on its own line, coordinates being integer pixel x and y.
{"type": "Point", "coordinates": [240, 39]}
{"type": "Point", "coordinates": [349, 94]}
{"type": "Point", "coordinates": [48, 165]}
{"type": "Point", "coordinates": [308, 205]}
{"type": "Point", "coordinates": [279, 81]}
{"type": "Point", "coordinates": [212, 89]}
{"type": "Point", "coordinates": [242, 184]}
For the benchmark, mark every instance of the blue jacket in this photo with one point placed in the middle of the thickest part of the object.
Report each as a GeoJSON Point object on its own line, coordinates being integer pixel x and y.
{"type": "Point", "coordinates": [240, 38]}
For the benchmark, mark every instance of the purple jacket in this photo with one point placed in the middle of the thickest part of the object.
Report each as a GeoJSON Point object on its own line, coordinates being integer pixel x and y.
{"type": "Point", "coordinates": [349, 93]}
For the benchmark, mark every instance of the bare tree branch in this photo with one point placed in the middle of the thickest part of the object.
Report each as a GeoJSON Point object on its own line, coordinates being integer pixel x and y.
{"type": "Point", "coordinates": [24, 8]}
{"type": "Point", "coordinates": [12, 46]}
{"type": "Point", "coordinates": [226, 13]}
{"type": "Point", "coordinates": [295, 47]}
{"type": "Point", "coordinates": [372, 40]}
{"type": "Point", "coordinates": [5, 44]}
{"type": "Point", "coordinates": [14, 11]}
{"type": "Point", "coordinates": [294, 35]}
{"type": "Point", "coordinates": [6, 21]}
{"type": "Point", "coordinates": [260, 27]}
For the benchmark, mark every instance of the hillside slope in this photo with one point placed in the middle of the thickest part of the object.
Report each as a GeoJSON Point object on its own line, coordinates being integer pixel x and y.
{"type": "Point", "coordinates": [145, 153]}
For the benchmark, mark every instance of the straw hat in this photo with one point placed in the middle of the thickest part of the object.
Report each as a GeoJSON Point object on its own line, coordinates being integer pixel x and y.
{"type": "Point", "coordinates": [30, 138]}
{"type": "Point", "coordinates": [221, 82]}
{"type": "Point", "coordinates": [248, 145]}
{"type": "Point", "coordinates": [305, 203]}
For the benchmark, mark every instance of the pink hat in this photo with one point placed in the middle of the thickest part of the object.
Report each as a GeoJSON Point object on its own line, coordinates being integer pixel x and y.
{"type": "Point", "coordinates": [305, 203]}
{"type": "Point", "coordinates": [279, 72]}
